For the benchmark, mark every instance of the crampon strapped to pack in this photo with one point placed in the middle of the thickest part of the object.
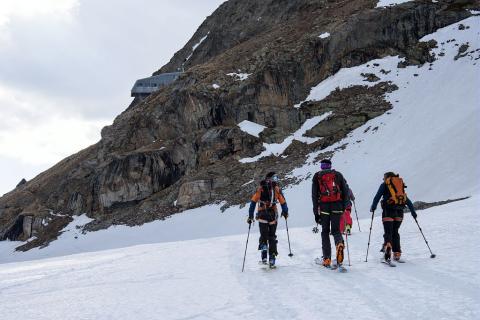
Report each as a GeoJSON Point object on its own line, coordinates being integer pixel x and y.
{"type": "Point", "coordinates": [396, 187]}
{"type": "Point", "coordinates": [329, 187]}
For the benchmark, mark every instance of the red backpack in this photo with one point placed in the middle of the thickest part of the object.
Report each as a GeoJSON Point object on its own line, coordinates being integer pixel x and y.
{"type": "Point", "coordinates": [329, 187]}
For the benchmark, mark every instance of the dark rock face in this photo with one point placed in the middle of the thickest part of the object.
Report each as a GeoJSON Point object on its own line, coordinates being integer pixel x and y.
{"type": "Point", "coordinates": [181, 144]}
{"type": "Point", "coordinates": [21, 183]}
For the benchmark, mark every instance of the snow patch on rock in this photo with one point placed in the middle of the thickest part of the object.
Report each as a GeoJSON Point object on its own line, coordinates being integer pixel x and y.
{"type": "Point", "coordinates": [277, 149]}
{"type": "Point", "coordinates": [387, 3]}
{"type": "Point", "coordinates": [251, 128]}
{"type": "Point", "coordinates": [324, 35]}
{"type": "Point", "coordinates": [239, 76]}
{"type": "Point", "coordinates": [195, 46]}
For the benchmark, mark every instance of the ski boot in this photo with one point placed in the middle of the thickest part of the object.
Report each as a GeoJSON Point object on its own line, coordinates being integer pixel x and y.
{"type": "Point", "coordinates": [264, 249]}
{"type": "Point", "coordinates": [340, 247]}
{"type": "Point", "coordinates": [388, 252]}
{"type": "Point", "coordinates": [271, 263]}
{"type": "Point", "coordinates": [327, 262]}
{"type": "Point", "coordinates": [397, 257]}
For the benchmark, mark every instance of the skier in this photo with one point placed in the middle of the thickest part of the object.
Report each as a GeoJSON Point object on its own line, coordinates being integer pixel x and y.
{"type": "Point", "coordinates": [267, 195]}
{"type": "Point", "coordinates": [394, 200]}
{"type": "Point", "coordinates": [346, 219]}
{"type": "Point", "coordinates": [329, 198]}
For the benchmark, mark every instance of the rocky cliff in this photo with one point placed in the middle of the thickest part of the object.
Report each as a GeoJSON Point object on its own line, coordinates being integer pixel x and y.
{"type": "Point", "coordinates": [250, 60]}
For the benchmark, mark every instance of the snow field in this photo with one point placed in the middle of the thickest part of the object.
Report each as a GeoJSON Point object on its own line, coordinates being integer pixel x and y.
{"type": "Point", "coordinates": [430, 137]}
{"type": "Point", "coordinates": [202, 279]}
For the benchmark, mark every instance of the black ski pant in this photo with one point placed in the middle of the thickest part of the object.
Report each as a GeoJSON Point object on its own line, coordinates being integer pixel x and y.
{"type": "Point", "coordinates": [268, 237]}
{"type": "Point", "coordinates": [331, 214]}
{"type": "Point", "coordinates": [392, 220]}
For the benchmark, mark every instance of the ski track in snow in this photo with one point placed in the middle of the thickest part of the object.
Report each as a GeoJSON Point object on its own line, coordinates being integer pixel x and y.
{"type": "Point", "coordinates": [202, 279]}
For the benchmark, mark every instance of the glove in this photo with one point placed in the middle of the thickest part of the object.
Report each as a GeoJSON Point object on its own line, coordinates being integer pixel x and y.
{"type": "Point", "coordinates": [249, 220]}
{"type": "Point", "coordinates": [285, 214]}
{"type": "Point", "coordinates": [414, 215]}
{"type": "Point", "coordinates": [318, 219]}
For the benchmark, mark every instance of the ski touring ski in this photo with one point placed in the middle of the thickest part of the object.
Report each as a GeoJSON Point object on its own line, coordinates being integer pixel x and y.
{"type": "Point", "coordinates": [389, 263]}
{"type": "Point", "coordinates": [339, 268]}
{"type": "Point", "coordinates": [319, 261]}
{"type": "Point", "coordinates": [265, 265]}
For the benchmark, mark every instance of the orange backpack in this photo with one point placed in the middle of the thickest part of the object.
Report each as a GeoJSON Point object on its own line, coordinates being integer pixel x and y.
{"type": "Point", "coordinates": [396, 187]}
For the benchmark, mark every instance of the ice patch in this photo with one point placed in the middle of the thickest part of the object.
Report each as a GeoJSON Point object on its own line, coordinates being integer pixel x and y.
{"type": "Point", "coordinates": [251, 128]}
{"type": "Point", "coordinates": [277, 149]}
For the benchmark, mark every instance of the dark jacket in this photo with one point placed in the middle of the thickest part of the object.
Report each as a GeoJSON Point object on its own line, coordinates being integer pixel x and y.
{"type": "Point", "coordinates": [383, 192]}
{"type": "Point", "coordinates": [316, 191]}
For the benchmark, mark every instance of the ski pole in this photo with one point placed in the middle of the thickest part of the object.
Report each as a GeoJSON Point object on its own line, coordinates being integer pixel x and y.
{"type": "Point", "coordinates": [346, 239]}
{"type": "Point", "coordinates": [246, 245]}
{"type": "Point", "coordinates": [356, 214]}
{"type": "Point", "coordinates": [369, 234]}
{"type": "Point", "coordinates": [432, 255]}
{"type": "Point", "coordinates": [288, 237]}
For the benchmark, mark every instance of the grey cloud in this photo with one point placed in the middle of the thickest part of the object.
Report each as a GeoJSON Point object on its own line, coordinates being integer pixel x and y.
{"type": "Point", "coordinates": [89, 66]}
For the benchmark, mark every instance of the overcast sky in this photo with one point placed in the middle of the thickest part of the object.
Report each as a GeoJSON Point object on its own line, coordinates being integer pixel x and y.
{"type": "Point", "coordinates": [67, 67]}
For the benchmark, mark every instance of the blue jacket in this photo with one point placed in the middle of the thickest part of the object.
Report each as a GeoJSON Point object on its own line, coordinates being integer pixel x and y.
{"type": "Point", "coordinates": [383, 191]}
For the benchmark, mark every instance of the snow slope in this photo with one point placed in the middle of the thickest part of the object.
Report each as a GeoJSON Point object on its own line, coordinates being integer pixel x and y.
{"type": "Point", "coordinates": [431, 137]}
{"type": "Point", "coordinates": [202, 279]}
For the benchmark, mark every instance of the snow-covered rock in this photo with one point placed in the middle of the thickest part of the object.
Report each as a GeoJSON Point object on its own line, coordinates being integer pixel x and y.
{"type": "Point", "coordinates": [239, 76]}
{"type": "Point", "coordinates": [324, 35]}
{"type": "Point", "coordinates": [251, 128]}
{"type": "Point", "coordinates": [386, 3]}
